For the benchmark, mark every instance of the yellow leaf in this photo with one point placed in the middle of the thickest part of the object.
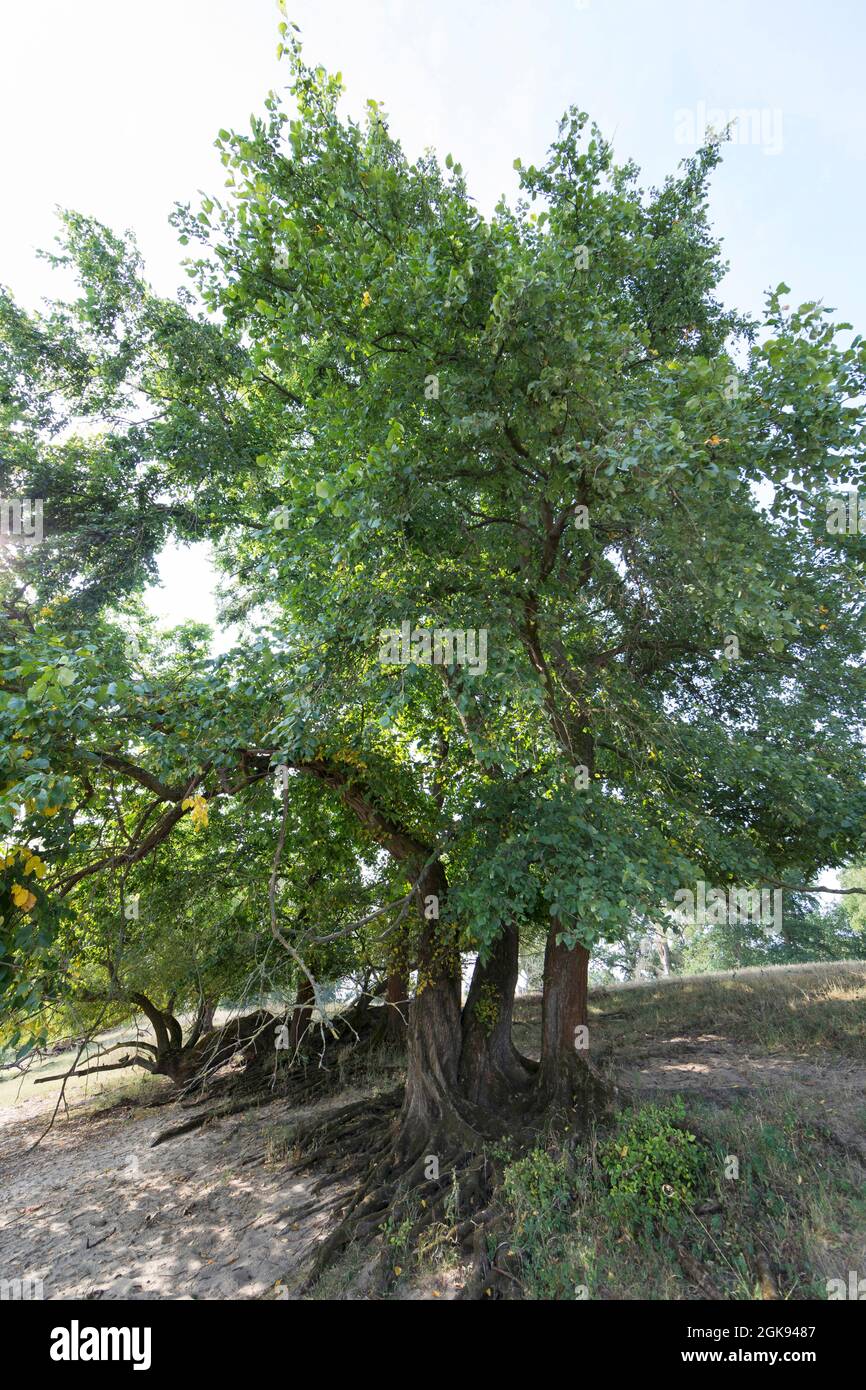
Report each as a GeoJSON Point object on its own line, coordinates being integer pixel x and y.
{"type": "Point", "coordinates": [198, 806]}
{"type": "Point", "coordinates": [22, 898]}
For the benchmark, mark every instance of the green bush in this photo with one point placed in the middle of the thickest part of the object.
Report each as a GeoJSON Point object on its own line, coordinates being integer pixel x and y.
{"type": "Point", "coordinates": [540, 1190]}
{"type": "Point", "coordinates": [652, 1165]}
{"type": "Point", "coordinates": [542, 1193]}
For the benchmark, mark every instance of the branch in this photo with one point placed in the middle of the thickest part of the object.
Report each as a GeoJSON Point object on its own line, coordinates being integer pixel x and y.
{"type": "Point", "coordinates": [144, 778]}
{"type": "Point", "coordinates": [92, 1071]}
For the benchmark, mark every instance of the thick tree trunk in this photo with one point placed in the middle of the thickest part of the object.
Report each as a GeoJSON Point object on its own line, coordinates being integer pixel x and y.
{"type": "Point", "coordinates": [491, 1069]}
{"type": "Point", "coordinates": [301, 1014]}
{"type": "Point", "coordinates": [565, 1077]}
{"type": "Point", "coordinates": [433, 1041]}
{"type": "Point", "coordinates": [170, 1059]}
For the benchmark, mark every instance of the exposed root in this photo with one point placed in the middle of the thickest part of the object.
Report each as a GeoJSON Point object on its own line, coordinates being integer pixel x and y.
{"type": "Point", "coordinates": [433, 1174]}
{"type": "Point", "coordinates": [217, 1112]}
{"type": "Point", "coordinates": [410, 1176]}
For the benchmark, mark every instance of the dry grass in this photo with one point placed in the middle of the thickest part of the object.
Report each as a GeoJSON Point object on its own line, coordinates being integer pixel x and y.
{"type": "Point", "coordinates": [817, 1008]}
{"type": "Point", "coordinates": [769, 1063]}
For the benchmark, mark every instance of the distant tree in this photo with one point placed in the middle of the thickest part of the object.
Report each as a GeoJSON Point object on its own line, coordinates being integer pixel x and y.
{"type": "Point", "coordinates": [809, 932]}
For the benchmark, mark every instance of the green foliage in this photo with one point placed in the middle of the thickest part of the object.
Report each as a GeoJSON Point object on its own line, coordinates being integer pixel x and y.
{"type": "Point", "coordinates": [541, 1189]}
{"type": "Point", "coordinates": [653, 1165]}
{"type": "Point", "coordinates": [807, 933]}
{"type": "Point", "coordinates": [487, 1007]}
{"type": "Point", "coordinates": [541, 1192]}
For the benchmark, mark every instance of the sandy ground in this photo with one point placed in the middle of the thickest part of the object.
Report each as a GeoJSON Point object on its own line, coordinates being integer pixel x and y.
{"type": "Point", "coordinates": [95, 1212]}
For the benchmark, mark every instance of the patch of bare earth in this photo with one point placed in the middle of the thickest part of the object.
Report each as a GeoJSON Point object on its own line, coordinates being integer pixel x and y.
{"type": "Point", "coordinates": [95, 1212]}
{"type": "Point", "coordinates": [720, 1071]}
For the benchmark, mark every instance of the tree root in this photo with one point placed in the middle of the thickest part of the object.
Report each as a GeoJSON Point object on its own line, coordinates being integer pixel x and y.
{"type": "Point", "coordinates": [419, 1180]}
{"type": "Point", "coordinates": [217, 1112]}
{"type": "Point", "coordinates": [409, 1176]}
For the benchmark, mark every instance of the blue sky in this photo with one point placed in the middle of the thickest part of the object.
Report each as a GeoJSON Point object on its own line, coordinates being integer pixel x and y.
{"type": "Point", "coordinates": [112, 108]}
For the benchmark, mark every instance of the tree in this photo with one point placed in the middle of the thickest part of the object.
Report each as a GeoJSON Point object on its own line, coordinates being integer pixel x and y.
{"type": "Point", "coordinates": [542, 427]}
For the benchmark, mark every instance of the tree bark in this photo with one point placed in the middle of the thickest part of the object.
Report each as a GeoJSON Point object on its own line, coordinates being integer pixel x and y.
{"type": "Point", "coordinates": [301, 1014]}
{"type": "Point", "coordinates": [433, 1035]}
{"type": "Point", "coordinates": [156, 1018]}
{"type": "Point", "coordinates": [564, 1076]}
{"type": "Point", "coordinates": [396, 1008]}
{"type": "Point", "coordinates": [491, 1069]}
{"type": "Point", "coordinates": [433, 1041]}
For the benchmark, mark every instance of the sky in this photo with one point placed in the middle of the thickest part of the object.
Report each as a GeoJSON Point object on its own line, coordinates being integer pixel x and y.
{"type": "Point", "coordinates": [112, 108]}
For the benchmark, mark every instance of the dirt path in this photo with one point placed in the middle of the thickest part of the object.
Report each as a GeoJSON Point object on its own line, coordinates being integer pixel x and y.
{"type": "Point", "coordinates": [721, 1071]}
{"type": "Point", "coordinates": [95, 1212]}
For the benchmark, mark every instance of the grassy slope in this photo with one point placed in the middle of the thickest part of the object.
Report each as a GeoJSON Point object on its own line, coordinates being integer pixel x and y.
{"type": "Point", "coordinates": [771, 1068]}
{"type": "Point", "coordinates": [821, 1008]}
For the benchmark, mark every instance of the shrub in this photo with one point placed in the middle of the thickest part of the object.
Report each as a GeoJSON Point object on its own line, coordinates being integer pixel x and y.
{"type": "Point", "coordinates": [652, 1165]}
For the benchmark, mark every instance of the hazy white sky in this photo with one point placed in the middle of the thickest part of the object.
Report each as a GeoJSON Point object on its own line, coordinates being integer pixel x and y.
{"type": "Point", "coordinates": [112, 108]}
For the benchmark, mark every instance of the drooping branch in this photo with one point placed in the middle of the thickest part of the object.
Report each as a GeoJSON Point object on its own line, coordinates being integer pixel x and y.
{"type": "Point", "coordinates": [124, 1062]}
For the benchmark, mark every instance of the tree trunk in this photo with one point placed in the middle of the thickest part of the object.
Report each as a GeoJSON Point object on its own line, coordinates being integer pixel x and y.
{"type": "Point", "coordinates": [301, 1014]}
{"type": "Point", "coordinates": [156, 1018]}
{"type": "Point", "coordinates": [396, 1008]}
{"type": "Point", "coordinates": [491, 1068]}
{"type": "Point", "coordinates": [433, 1041]}
{"type": "Point", "coordinates": [664, 953]}
{"type": "Point", "coordinates": [565, 1077]}
{"type": "Point", "coordinates": [170, 1060]}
